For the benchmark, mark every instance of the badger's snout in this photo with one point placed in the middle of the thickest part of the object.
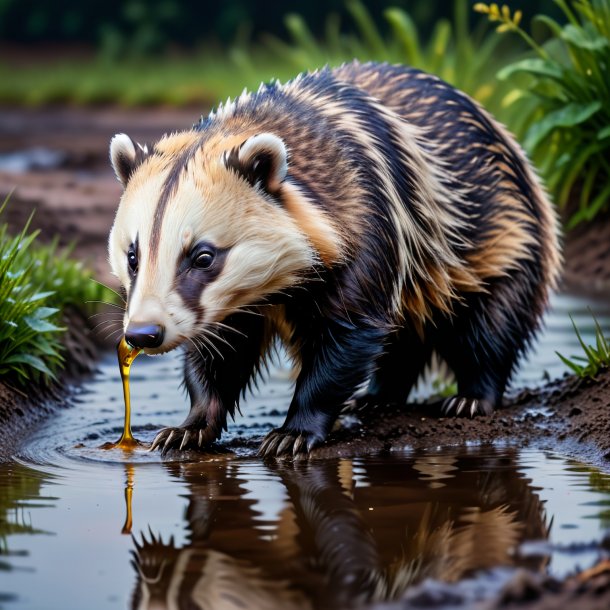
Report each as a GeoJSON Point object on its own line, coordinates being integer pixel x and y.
{"type": "Point", "coordinates": [144, 334]}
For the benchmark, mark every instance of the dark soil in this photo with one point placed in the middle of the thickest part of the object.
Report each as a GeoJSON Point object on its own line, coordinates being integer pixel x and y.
{"type": "Point", "coordinates": [570, 416]}
{"type": "Point", "coordinates": [21, 407]}
{"type": "Point", "coordinates": [77, 199]}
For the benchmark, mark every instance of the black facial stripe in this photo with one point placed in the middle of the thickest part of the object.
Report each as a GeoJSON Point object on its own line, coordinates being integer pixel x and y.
{"type": "Point", "coordinates": [190, 282]}
{"type": "Point", "coordinates": [169, 187]}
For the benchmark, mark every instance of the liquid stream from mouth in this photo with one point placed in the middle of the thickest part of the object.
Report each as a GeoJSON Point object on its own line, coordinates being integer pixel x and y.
{"type": "Point", "coordinates": [126, 355]}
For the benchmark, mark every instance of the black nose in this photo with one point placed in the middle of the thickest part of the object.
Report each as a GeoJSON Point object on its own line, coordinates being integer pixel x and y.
{"type": "Point", "coordinates": [141, 334]}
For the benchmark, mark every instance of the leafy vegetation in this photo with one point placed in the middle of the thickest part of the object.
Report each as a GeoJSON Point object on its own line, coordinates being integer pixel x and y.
{"type": "Point", "coordinates": [561, 103]}
{"type": "Point", "coordinates": [36, 284]}
{"type": "Point", "coordinates": [596, 357]}
{"type": "Point", "coordinates": [465, 57]}
{"type": "Point", "coordinates": [462, 55]}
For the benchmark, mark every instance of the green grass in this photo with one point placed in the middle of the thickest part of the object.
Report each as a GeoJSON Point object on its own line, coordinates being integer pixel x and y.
{"type": "Point", "coordinates": [36, 284]}
{"type": "Point", "coordinates": [596, 357]}
{"type": "Point", "coordinates": [468, 58]}
{"type": "Point", "coordinates": [560, 105]}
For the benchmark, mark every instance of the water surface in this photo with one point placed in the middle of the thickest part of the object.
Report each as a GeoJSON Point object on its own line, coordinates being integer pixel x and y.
{"type": "Point", "coordinates": [85, 528]}
{"type": "Point", "coordinates": [326, 534]}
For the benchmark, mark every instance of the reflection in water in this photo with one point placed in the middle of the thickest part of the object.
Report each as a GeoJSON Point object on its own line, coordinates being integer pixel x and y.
{"type": "Point", "coordinates": [16, 500]}
{"type": "Point", "coordinates": [129, 476]}
{"type": "Point", "coordinates": [343, 533]}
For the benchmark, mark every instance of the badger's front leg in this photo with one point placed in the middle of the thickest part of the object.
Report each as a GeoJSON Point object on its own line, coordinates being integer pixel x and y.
{"type": "Point", "coordinates": [335, 360]}
{"type": "Point", "coordinates": [217, 370]}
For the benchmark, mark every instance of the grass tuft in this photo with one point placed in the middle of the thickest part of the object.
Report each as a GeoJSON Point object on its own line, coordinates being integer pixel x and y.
{"type": "Point", "coordinates": [36, 284]}
{"type": "Point", "coordinates": [560, 106]}
{"type": "Point", "coordinates": [596, 357]}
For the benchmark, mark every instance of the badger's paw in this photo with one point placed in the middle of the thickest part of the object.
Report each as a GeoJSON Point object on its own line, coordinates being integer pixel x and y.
{"type": "Point", "coordinates": [187, 437]}
{"type": "Point", "coordinates": [288, 443]}
{"type": "Point", "coordinates": [461, 406]}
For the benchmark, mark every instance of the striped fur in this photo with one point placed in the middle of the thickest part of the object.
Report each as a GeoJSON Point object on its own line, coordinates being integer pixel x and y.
{"type": "Point", "coordinates": [370, 214]}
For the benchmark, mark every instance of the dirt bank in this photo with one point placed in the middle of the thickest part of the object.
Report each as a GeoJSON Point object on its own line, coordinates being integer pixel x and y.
{"type": "Point", "coordinates": [570, 416]}
{"type": "Point", "coordinates": [20, 408]}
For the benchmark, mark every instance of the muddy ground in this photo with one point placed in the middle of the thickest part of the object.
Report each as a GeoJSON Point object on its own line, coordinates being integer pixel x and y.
{"type": "Point", "coordinates": [75, 195]}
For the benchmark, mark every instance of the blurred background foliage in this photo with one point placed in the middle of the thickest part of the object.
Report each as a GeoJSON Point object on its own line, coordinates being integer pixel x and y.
{"type": "Point", "coordinates": [540, 66]}
{"type": "Point", "coordinates": [144, 26]}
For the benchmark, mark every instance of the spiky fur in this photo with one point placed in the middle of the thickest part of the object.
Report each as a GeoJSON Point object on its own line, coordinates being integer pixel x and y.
{"type": "Point", "coordinates": [369, 215]}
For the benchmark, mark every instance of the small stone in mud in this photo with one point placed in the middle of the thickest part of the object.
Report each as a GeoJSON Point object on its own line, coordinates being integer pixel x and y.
{"type": "Point", "coordinates": [574, 411]}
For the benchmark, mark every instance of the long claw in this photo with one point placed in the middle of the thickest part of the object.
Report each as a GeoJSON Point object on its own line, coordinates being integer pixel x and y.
{"type": "Point", "coordinates": [168, 440]}
{"type": "Point", "coordinates": [185, 439]}
{"type": "Point", "coordinates": [262, 450]}
{"type": "Point", "coordinates": [158, 440]}
{"type": "Point", "coordinates": [448, 405]}
{"type": "Point", "coordinates": [311, 443]}
{"type": "Point", "coordinates": [285, 444]}
{"type": "Point", "coordinates": [474, 408]}
{"type": "Point", "coordinates": [461, 405]}
{"type": "Point", "coordinates": [298, 444]}
{"type": "Point", "coordinates": [272, 446]}
{"type": "Point", "coordinates": [201, 437]}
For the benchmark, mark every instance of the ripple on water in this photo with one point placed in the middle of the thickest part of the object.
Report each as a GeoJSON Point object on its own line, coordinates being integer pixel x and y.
{"type": "Point", "coordinates": [327, 533]}
{"type": "Point", "coordinates": [476, 509]}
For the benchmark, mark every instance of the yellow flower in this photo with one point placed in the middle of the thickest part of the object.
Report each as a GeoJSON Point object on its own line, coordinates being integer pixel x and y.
{"type": "Point", "coordinates": [506, 12]}
{"type": "Point", "coordinates": [504, 27]}
{"type": "Point", "coordinates": [517, 17]}
{"type": "Point", "coordinates": [494, 11]}
{"type": "Point", "coordinates": [481, 7]}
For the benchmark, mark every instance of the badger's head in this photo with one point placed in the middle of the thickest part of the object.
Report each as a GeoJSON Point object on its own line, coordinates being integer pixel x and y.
{"type": "Point", "coordinates": [206, 227]}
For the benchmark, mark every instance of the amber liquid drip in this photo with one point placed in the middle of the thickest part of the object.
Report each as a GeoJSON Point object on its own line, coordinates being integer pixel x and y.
{"type": "Point", "coordinates": [128, 495]}
{"type": "Point", "coordinates": [127, 355]}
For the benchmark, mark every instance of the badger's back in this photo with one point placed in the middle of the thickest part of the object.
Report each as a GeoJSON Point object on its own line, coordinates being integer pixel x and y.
{"type": "Point", "coordinates": [511, 221]}
{"type": "Point", "coordinates": [392, 151]}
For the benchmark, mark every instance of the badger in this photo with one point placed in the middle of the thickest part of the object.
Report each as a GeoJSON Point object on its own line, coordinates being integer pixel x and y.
{"type": "Point", "coordinates": [367, 216]}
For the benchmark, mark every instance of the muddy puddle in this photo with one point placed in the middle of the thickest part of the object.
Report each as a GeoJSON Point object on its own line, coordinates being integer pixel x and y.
{"type": "Point", "coordinates": [81, 527]}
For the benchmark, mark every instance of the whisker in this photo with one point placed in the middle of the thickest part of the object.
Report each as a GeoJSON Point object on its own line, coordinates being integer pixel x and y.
{"type": "Point", "coordinates": [105, 313]}
{"type": "Point", "coordinates": [230, 329]}
{"type": "Point", "coordinates": [114, 332]}
{"type": "Point", "coordinates": [207, 341]}
{"type": "Point", "coordinates": [108, 324]}
{"type": "Point", "coordinates": [217, 337]}
{"type": "Point", "coordinates": [199, 351]}
{"type": "Point", "coordinates": [108, 288]}
{"type": "Point", "coordinates": [108, 303]}
{"type": "Point", "coordinates": [204, 341]}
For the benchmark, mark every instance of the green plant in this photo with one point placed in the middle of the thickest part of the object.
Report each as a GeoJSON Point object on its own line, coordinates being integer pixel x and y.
{"type": "Point", "coordinates": [444, 387]}
{"type": "Point", "coordinates": [464, 57]}
{"type": "Point", "coordinates": [561, 107]}
{"type": "Point", "coordinates": [596, 357]}
{"type": "Point", "coordinates": [36, 284]}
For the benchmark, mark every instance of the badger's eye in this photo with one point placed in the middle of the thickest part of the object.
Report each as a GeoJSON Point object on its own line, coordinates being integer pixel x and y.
{"type": "Point", "coordinates": [132, 259]}
{"type": "Point", "coordinates": [203, 260]}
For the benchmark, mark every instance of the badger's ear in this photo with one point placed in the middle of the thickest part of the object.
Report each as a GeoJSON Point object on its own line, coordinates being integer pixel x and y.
{"type": "Point", "coordinates": [125, 156]}
{"type": "Point", "coordinates": [262, 160]}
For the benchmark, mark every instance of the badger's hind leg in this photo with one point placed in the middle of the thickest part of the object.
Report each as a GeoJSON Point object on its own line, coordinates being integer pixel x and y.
{"type": "Point", "coordinates": [216, 373]}
{"type": "Point", "coordinates": [482, 344]}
